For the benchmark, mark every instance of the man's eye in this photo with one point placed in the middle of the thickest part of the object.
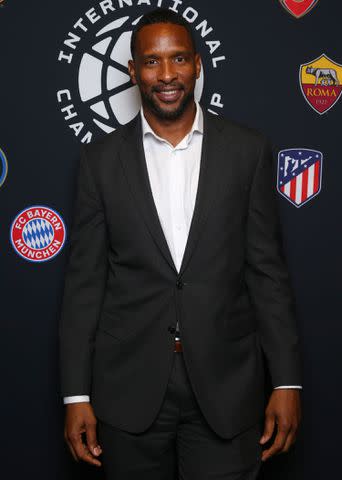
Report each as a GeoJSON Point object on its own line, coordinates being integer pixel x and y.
{"type": "Point", "coordinates": [151, 61]}
{"type": "Point", "coordinates": [180, 59]}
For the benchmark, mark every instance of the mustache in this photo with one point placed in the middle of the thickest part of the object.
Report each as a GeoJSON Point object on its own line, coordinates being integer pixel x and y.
{"type": "Point", "coordinates": [169, 86]}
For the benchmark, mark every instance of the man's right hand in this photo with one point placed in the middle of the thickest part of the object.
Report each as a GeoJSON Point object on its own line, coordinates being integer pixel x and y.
{"type": "Point", "coordinates": [80, 419]}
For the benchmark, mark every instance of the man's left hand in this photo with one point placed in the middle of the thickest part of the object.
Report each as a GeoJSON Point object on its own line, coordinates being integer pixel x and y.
{"type": "Point", "coordinates": [283, 410]}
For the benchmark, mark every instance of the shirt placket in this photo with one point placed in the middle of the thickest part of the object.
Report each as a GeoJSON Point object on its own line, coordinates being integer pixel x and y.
{"type": "Point", "coordinates": [179, 230]}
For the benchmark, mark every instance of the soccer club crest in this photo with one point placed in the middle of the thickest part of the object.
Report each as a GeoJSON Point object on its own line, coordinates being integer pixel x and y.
{"type": "Point", "coordinates": [3, 167]}
{"type": "Point", "coordinates": [298, 8]}
{"type": "Point", "coordinates": [38, 233]}
{"type": "Point", "coordinates": [320, 82]}
{"type": "Point", "coordinates": [299, 174]}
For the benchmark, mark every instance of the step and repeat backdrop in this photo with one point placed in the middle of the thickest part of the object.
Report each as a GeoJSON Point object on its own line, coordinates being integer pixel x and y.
{"type": "Point", "coordinates": [273, 65]}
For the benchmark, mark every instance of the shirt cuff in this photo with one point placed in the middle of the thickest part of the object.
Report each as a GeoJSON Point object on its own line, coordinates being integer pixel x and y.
{"type": "Point", "coordinates": [288, 386]}
{"type": "Point", "coordinates": [76, 398]}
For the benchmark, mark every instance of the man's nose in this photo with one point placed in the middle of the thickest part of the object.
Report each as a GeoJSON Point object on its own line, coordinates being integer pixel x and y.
{"type": "Point", "coordinates": [167, 71]}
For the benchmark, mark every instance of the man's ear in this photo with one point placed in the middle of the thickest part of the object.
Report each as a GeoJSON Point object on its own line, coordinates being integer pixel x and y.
{"type": "Point", "coordinates": [131, 71]}
{"type": "Point", "coordinates": [198, 63]}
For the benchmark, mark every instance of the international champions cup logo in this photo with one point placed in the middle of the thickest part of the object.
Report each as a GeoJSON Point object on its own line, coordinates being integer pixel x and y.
{"type": "Point", "coordinates": [298, 8]}
{"type": "Point", "coordinates": [100, 96]}
{"type": "Point", "coordinates": [38, 233]}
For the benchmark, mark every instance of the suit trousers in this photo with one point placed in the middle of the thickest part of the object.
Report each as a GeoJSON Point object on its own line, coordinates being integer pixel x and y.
{"type": "Point", "coordinates": [179, 444]}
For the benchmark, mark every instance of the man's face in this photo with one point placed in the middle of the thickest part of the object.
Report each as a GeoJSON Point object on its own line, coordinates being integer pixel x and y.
{"type": "Point", "coordinates": [165, 68]}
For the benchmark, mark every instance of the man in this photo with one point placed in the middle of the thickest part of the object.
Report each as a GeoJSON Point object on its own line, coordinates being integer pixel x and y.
{"type": "Point", "coordinates": [176, 286]}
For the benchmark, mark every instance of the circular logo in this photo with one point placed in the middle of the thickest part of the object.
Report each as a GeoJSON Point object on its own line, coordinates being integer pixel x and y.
{"type": "Point", "coordinates": [100, 96]}
{"type": "Point", "coordinates": [3, 167]}
{"type": "Point", "coordinates": [38, 233]}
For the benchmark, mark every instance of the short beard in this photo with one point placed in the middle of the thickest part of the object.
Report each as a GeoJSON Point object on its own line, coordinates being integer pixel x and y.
{"type": "Point", "coordinates": [167, 115]}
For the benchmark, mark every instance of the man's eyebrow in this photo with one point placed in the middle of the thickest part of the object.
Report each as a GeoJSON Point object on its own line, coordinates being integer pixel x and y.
{"type": "Point", "coordinates": [182, 52]}
{"type": "Point", "coordinates": [150, 55]}
{"type": "Point", "coordinates": [173, 54]}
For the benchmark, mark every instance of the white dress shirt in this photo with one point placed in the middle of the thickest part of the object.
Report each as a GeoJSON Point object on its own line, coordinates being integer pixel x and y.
{"type": "Point", "coordinates": [173, 174]}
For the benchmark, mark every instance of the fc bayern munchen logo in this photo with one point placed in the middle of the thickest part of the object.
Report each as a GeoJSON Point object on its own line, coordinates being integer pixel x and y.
{"type": "Point", "coordinates": [38, 233]}
{"type": "Point", "coordinates": [298, 8]}
{"type": "Point", "coordinates": [299, 174]}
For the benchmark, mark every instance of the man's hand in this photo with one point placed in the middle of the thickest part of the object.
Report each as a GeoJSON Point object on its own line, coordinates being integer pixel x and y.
{"type": "Point", "coordinates": [283, 409]}
{"type": "Point", "coordinates": [80, 419]}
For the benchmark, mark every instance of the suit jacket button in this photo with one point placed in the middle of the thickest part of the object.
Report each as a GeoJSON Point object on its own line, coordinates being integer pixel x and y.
{"type": "Point", "coordinates": [180, 284]}
{"type": "Point", "coordinates": [171, 329]}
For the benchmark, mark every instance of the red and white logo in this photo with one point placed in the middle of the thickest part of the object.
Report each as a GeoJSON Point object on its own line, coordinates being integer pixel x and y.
{"type": "Point", "coordinates": [38, 233]}
{"type": "Point", "coordinates": [298, 8]}
{"type": "Point", "coordinates": [299, 174]}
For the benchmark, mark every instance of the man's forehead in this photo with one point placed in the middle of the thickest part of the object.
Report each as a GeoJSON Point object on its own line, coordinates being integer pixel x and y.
{"type": "Point", "coordinates": [163, 34]}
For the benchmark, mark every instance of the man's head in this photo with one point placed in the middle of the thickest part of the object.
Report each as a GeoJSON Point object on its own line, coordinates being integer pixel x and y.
{"type": "Point", "coordinates": [165, 63]}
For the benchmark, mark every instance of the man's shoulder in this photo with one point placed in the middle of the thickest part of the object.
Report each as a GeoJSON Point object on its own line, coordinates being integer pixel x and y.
{"type": "Point", "coordinates": [237, 131]}
{"type": "Point", "coordinates": [111, 141]}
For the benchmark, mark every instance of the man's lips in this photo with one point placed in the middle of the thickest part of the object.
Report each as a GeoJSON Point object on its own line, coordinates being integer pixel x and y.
{"type": "Point", "coordinates": [169, 95]}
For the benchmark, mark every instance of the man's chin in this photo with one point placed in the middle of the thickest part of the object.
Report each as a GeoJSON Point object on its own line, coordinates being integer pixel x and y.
{"type": "Point", "coordinates": [170, 111]}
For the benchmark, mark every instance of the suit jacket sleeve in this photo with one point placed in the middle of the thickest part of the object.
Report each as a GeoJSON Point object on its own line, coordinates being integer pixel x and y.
{"type": "Point", "coordinates": [268, 279]}
{"type": "Point", "coordinates": [84, 286]}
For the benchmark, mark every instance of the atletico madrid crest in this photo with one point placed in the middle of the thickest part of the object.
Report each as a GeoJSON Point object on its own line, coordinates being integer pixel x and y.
{"type": "Point", "coordinates": [299, 174]}
{"type": "Point", "coordinates": [298, 8]}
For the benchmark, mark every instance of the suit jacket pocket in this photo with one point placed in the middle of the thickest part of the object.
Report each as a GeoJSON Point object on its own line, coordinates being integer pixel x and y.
{"type": "Point", "coordinates": [114, 325]}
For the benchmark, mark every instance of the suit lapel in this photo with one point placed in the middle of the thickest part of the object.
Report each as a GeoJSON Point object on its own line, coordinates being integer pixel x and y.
{"type": "Point", "coordinates": [134, 164]}
{"type": "Point", "coordinates": [210, 182]}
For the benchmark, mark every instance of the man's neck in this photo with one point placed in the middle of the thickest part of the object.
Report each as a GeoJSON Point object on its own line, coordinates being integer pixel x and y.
{"type": "Point", "coordinates": [172, 130]}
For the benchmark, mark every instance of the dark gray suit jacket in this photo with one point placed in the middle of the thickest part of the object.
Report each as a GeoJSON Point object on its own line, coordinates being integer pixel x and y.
{"type": "Point", "coordinates": [123, 294]}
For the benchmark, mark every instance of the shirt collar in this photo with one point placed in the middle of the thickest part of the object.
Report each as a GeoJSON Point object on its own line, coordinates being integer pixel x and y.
{"type": "Point", "coordinates": [197, 125]}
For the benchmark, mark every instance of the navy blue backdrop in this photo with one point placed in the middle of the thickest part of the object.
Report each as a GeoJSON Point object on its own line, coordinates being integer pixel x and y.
{"type": "Point", "coordinates": [59, 89]}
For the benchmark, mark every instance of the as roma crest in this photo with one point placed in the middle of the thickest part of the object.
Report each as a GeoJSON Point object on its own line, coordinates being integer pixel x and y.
{"type": "Point", "coordinates": [320, 81]}
{"type": "Point", "coordinates": [299, 175]}
{"type": "Point", "coordinates": [298, 8]}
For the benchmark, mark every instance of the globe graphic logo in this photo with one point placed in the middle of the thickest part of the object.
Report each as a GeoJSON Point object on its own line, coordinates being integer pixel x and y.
{"type": "Point", "coordinates": [103, 80]}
